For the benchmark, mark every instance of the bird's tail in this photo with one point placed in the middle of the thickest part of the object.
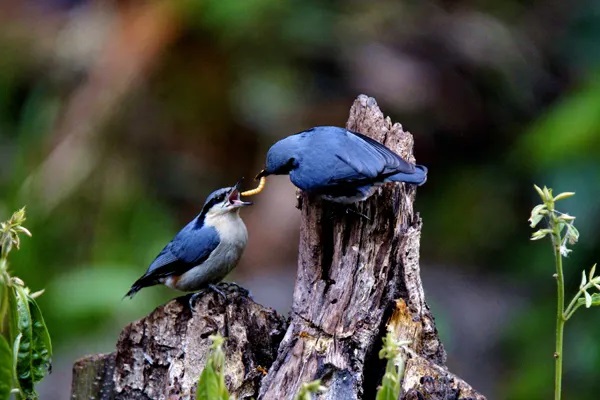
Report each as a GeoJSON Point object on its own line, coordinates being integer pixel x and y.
{"type": "Point", "coordinates": [418, 177]}
{"type": "Point", "coordinates": [137, 285]}
{"type": "Point", "coordinates": [134, 289]}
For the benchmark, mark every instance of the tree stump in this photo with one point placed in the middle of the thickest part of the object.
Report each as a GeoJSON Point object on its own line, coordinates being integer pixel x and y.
{"type": "Point", "coordinates": [161, 356]}
{"type": "Point", "coordinates": [358, 275]}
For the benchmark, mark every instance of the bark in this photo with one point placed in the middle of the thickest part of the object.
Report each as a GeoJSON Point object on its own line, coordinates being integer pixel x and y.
{"type": "Point", "coordinates": [161, 356]}
{"type": "Point", "coordinates": [358, 276]}
{"type": "Point", "coordinates": [350, 270]}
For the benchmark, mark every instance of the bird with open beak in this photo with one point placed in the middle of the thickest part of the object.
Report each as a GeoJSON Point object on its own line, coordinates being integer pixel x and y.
{"type": "Point", "coordinates": [205, 250]}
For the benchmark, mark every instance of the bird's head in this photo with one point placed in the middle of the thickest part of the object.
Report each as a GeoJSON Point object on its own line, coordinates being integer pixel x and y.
{"type": "Point", "coordinates": [282, 157]}
{"type": "Point", "coordinates": [223, 201]}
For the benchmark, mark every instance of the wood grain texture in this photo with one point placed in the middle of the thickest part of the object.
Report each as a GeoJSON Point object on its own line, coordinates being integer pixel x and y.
{"type": "Point", "coordinates": [161, 356]}
{"type": "Point", "coordinates": [350, 270]}
{"type": "Point", "coordinates": [92, 377]}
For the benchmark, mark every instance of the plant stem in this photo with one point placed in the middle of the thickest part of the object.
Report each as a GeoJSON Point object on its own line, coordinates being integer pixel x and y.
{"type": "Point", "coordinates": [570, 311]}
{"type": "Point", "coordinates": [575, 304]}
{"type": "Point", "coordinates": [560, 306]}
{"type": "Point", "coordinates": [3, 294]}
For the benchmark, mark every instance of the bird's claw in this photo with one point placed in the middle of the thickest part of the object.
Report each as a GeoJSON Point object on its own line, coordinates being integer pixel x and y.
{"type": "Point", "coordinates": [212, 288]}
{"type": "Point", "coordinates": [215, 289]}
{"type": "Point", "coordinates": [231, 287]}
{"type": "Point", "coordinates": [193, 299]}
{"type": "Point", "coordinates": [221, 289]}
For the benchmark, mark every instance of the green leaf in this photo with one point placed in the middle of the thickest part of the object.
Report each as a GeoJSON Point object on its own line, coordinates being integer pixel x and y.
{"type": "Point", "coordinates": [535, 219]}
{"type": "Point", "coordinates": [595, 300]}
{"type": "Point", "coordinates": [566, 218]}
{"type": "Point", "coordinates": [540, 234]}
{"type": "Point", "coordinates": [4, 291]}
{"type": "Point", "coordinates": [564, 195]}
{"type": "Point", "coordinates": [394, 369]}
{"type": "Point", "coordinates": [307, 389]}
{"type": "Point", "coordinates": [540, 192]}
{"type": "Point", "coordinates": [6, 244]}
{"type": "Point", "coordinates": [211, 384]}
{"type": "Point", "coordinates": [386, 392]}
{"type": "Point", "coordinates": [539, 209]}
{"type": "Point", "coordinates": [588, 300]}
{"type": "Point", "coordinates": [23, 230]}
{"type": "Point", "coordinates": [42, 346]}
{"type": "Point", "coordinates": [592, 272]}
{"type": "Point", "coordinates": [24, 348]}
{"type": "Point", "coordinates": [34, 347]}
{"type": "Point", "coordinates": [6, 370]}
{"type": "Point", "coordinates": [13, 316]}
{"type": "Point", "coordinates": [390, 385]}
{"type": "Point", "coordinates": [547, 193]}
{"type": "Point", "coordinates": [583, 280]}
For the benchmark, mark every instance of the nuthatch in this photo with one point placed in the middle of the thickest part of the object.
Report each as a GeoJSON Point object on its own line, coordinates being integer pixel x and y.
{"type": "Point", "coordinates": [339, 165]}
{"type": "Point", "coordinates": [205, 250]}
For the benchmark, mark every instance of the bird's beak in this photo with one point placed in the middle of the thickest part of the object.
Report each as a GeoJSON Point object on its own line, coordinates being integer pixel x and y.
{"type": "Point", "coordinates": [234, 197]}
{"type": "Point", "coordinates": [261, 174]}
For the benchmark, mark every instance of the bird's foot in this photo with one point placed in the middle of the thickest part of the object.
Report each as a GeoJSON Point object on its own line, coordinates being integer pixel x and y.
{"type": "Point", "coordinates": [231, 287]}
{"type": "Point", "coordinates": [193, 299]}
{"type": "Point", "coordinates": [216, 290]}
{"type": "Point", "coordinates": [210, 287]}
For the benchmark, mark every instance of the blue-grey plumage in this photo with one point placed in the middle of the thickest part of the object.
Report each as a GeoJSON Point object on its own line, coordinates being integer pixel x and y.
{"type": "Point", "coordinates": [205, 250]}
{"type": "Point", "coordinates": [338, 164]}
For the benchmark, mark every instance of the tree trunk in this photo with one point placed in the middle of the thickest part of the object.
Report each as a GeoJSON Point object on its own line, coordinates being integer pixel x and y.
{"type": "Point", "coordinates": [357, 270]}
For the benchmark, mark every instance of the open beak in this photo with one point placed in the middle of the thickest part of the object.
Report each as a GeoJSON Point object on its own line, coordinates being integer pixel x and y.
{"type": "Point", "coordinates": [261, 174]}
{"type": "Point", "coordinates": [234, 197]}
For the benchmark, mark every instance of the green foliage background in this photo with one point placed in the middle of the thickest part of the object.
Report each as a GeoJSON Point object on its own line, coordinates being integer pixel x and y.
{"type": "Point", "coordinates": [499, 94]}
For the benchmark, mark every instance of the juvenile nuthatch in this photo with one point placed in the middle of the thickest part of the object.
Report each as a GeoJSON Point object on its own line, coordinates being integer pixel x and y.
{"type": "Point", "coordinates": [205, 250]}
{"type": "Point", "coordinates": [339, 165]}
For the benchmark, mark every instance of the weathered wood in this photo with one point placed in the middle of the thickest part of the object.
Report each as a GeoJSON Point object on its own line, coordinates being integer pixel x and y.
{"type": "Point", "coordinates": [92, 377]}
{"type": "Point", "coordinates": [161, 356]}
{"type": "Point", "coordinates": [423, 378]}
{"type": "Point", "coordinates": [350, 270]}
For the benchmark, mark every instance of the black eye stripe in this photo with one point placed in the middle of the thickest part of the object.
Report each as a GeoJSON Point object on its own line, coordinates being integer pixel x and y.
{"type": "Point", "coordinates": [215, 200]}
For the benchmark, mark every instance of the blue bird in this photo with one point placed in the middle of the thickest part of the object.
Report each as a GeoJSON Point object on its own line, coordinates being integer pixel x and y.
{"type": "Point", "coordinates": [339, 165]}
{"type": "Point", "coordinates": [205, 250]}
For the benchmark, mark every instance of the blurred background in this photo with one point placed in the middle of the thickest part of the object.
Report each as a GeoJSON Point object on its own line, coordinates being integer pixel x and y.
{"type": "Point", "coordinates": [118, 118]}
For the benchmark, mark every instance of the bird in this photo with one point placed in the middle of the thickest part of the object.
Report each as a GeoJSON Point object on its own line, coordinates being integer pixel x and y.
{"type": "Point", "coordinates": [338, 165]}
{"type": "Point", "coordinates": [204, 251]}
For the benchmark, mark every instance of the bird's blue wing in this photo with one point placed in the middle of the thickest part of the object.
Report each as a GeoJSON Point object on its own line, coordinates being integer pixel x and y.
{"type": "Point", "coordinates": [195, 246]}
{"type": "Point", "coordinates": [392, 162]}
{"type": "Point", "coordinates": [366, 159]}
{"type": "Point", "coordinates": [191, 247]}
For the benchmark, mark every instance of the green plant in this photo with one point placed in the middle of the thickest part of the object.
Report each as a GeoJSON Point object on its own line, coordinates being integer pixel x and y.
{"type": "Point", "coordinates": [307, 389]}
{"type": "Point", "coordinates": [391, 383]}
{"type": "Point", "coordinates": [25, 348]}
{"type": "Point", "coordinates": [562, 232]}
{"type": "Point", "coordinates": [211, 385]}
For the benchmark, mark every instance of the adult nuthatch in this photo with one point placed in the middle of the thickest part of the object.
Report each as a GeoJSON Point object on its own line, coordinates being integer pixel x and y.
{"type": "Point", "coordinates": [339, 165]}
{"type": "Point", "coordinates": [205, 250]}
